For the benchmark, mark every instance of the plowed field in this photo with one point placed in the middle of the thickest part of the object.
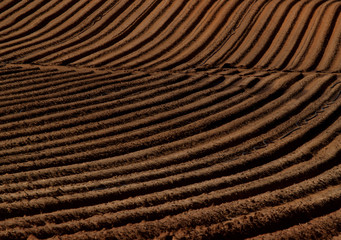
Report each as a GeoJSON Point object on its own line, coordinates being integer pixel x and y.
{"type": "Point", "coordinates": [186, 119]}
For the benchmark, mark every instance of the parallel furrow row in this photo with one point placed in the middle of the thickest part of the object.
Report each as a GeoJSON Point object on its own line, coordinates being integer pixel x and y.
{"type": "Point", "coordinates": [153, 119]}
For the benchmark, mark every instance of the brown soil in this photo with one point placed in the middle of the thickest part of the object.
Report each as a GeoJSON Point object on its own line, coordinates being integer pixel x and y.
{"type": "Point", "coordinates": [168, 119]}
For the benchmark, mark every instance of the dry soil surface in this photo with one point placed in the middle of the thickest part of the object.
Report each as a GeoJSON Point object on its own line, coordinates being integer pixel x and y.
{"type": "Point", "coordinates": [164, 119]}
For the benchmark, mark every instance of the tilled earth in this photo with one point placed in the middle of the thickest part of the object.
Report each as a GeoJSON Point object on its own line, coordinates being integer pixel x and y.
{"type": "Point", "coordinates": [184, 119]}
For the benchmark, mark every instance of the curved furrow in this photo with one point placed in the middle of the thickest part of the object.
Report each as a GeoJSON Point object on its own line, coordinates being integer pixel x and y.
{"type": "Point", "coordinates": [281, 37]}
{"type": "Point", "coordinates": [148, 200]}
{"type": "Point", "coordinates": [157, 118]}
{"type": "Point", "coordinates": [14, 48]}
{"type": "Point", "coordinates": [134, 42]}
{"type": "Point", "coordinates": [200, 216]}
{"type": "Point", "coordinates": [103, 57]}
{"type": "Point", "coordinates": [10, 76]}
{"type": "Point", "coordinates": [4, 6]}
{"type": "Point", "coordinates": [69, 86]}
{"type": "Point", "coordinates": [14, 85]}
{"type": "Point", "coordinates": [125, 85]}
{"type": "Point", "coordinates": [145, 97]}
{"type": "Point", "coordinates": [318, 45]}
{"type": "Point", "coordinates": [59, 81]}
{"type": "Point", "coordinates": [110, 122]}
{"type": "Point", "coordinates": [208, 173]}
{"type": "Point", "coordinates": [98, 86]}
{"type": "Point", "coordinates": [268, 28]}
{"type": "Point", "coordinates": [201, 36]}
{"type": "Point", "coordinates": [332, 10]}
{"type": "Point", "coordinates": [246, 165]}
{"type": "Point", "coordinates": [223, 25]}
{"type": "Point", "coordinates": [170, 119]}
{"type": "Point", "coordinates": [71, 27]}
{"type": "Point", "coordinates": [197, 147]}
{"type": "Point", "coordinates": [237, 34]}
{"type": "Point", "coordinates": [213, 82]}
{"type": "Point", "coordinates": [46, 87]}
{"type": "Point", "coordinates": [109, 21]}
{"type": "Point", "coordinates": [336, 63]}
{"type": "Point", "coordinates": [225, 211]}
{"type": "Point", "coordinates": [235, 59]}
{"type": "Point", "coordinates": [319, 227]}
{"type": "Point", "coordinates": [240, 17]}
{"type": "Point", "coordinates": [297, 30]}
{"type": "Point", "coordinates": [297, 212]}
{"type": "Point", "coordinates": [265, 15]}
{"type": "Point", "coordinates": [199, 174]}
{"type": "Point", "coordinates": [157, 19]}
{"type": "Point", "coordinates": [149, 50]}
{"type": "Point", "coordinates": [332, 48]}
{"type": "Point", "coordinates": [224, 28]}
{"type": "Point", "coordinates": [19, 15]}
{"type": "Point", "coordinates": [109, 140]}
{"type": "Point", "coordinates": [42, 14]}
{"type": "Point", "coordinates": [133, 167]}
{"type": "Point", "coordinates": [101, 144]}
{"type": "Point", "coordinates": [306, 36]}
{"type": "Point", "coordinates": [234, 193]}
{"type": "Point", "coordinates": [125, 30]}
{"type": "Point", "coordinates": [294, 36]}
{"type": "Point", "coordinates": [169, 110]}
{"type": "Point", "coordinates": [237, 112]}
{"type": "Point", "coordinates": [209, 4]}
{"type": "Point", "coordinates": [9, 8]}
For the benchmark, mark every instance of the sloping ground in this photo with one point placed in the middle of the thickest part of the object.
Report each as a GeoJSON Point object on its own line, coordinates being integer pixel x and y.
{"type": "Point", "coordinates": [170, 119]}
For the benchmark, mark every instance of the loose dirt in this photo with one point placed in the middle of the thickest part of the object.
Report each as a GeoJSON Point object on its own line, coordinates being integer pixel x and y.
{"type": "Point", "coordinates": [155, 119]}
